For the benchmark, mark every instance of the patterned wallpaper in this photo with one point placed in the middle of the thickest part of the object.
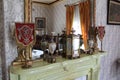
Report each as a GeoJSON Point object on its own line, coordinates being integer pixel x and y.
{"type": "Point", "coordinates": [109, 68]}
{"type": "Point", "coordinates": [55, 16]}
{"type": "Point", "coordinates": [1, 37]}
{"type": "Point", "coordinates": [14, 12]}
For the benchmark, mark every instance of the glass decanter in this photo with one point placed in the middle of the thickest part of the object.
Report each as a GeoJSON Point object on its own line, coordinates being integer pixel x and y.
{"type": "Point", "coordinates": [101, 33]}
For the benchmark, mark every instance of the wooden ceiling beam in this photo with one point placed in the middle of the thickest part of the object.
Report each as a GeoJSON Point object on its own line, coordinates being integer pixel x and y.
{"type": "Point", "coordinates": [40, 2]}
{"type": "Point", "coordinates": [46, 3]}
{"type": "Point", "coordinates": [54, 2]}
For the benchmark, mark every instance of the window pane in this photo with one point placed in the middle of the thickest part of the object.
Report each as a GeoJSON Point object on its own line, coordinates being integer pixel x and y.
{"type": "Point", "coordinates": [76, 21]}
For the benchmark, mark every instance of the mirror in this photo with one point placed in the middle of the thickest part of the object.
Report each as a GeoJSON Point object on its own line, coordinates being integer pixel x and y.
{"type": "Point", "coordinates": [55, 15]}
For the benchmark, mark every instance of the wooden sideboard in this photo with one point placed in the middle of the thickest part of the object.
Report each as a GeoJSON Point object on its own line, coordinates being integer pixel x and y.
{"type": "Point", "coordinates": [63, 69]}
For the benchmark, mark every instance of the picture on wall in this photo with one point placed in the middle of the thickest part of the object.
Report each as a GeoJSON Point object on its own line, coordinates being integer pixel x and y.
{"type": "Point", "coordinates": [113, 12]}
{"type": "Point", "coordinates": [40, 22]}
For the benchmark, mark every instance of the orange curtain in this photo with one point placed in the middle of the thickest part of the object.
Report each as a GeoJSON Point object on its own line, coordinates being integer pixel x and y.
{"type": "Point", "coordinates": [69, 18]}
{"type": "Point", "coordinates": [84, 9]}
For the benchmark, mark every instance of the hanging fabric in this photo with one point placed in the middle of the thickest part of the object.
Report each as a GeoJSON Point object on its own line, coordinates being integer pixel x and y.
{"type": "Point", "coordinates": [84, 8]}
{"type": "Point", "coordinates": [69, 18]}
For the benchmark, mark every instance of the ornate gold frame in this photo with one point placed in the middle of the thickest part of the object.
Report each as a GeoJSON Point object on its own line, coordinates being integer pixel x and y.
{"type": "Point", "coordinates": [27, 10]}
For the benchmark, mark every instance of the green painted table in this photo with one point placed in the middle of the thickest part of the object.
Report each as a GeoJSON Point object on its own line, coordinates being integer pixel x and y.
{"type": "Point", "coordinates": [63, 69]}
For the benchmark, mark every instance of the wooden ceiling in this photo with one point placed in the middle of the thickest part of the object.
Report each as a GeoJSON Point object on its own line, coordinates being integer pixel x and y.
{"type": "Point", "coordinates": [47, 2]}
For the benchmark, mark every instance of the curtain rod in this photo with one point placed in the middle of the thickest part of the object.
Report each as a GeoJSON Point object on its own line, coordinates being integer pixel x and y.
{"type": "Point", "coordinates": [76, 3]}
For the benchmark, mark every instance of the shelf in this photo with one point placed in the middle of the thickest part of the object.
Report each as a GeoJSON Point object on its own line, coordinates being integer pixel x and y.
{"type": "Point", "coordinates": [63, 69]}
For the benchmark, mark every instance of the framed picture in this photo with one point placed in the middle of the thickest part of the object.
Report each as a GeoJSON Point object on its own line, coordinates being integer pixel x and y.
{"type": "Point", "coordinates": [113, 12]}
{"type": "Point", "coordinates": [40, 22]}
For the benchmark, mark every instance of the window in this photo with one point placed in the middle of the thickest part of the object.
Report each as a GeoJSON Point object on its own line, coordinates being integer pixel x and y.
{"type": "Point", "coordinates": [76, 23]}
